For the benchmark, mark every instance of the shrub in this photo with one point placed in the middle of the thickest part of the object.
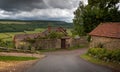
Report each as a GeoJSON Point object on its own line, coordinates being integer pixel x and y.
{"type": "Point", "coordinates": [115, 55]}
{"type": "Point", "coordinates": [104, 54]}
{"type": "Point", "coordinates": [31, 41]}
{"type": "Point", "coordinates": [54, 35]}
{"type": "Point", "coordinates": [8, 44]}
{"type": "Point", "coordinates": [88, 38]}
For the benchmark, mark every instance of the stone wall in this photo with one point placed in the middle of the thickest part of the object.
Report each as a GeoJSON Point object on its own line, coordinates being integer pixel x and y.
{"type": "Point", "coordinates": [82, 41]}
{"type": "Point", "coordinates": [21, 45]}
{"type": "Point", "coordinates": [48, 43]}
{"type": "Point", "coordinates": [109, 43]}
{"type": "Point", "coordinates": [51, 43]}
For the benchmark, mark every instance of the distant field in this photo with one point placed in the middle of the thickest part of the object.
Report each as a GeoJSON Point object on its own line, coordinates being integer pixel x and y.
{"type": "Point", "coordinates": [21, 26]}
{"type": "Point", "coordinates": [9, 35]}
{"type": "Point", "coordinates": [69, 32]}
{"type": "Point", "coordinates": [13, 22]}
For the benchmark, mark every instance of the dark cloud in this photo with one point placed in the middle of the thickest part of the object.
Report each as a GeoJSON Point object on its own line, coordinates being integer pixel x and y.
{"type": "Point", "coordinates": [26, 5]}
{"type": "Point", "coordinates": [16, 5]}
{"type": "Point", "coordinates": [38, 9]}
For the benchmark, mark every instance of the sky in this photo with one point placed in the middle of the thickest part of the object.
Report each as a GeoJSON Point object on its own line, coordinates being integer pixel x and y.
{"type": "Point", "coordinates": [39, 9]}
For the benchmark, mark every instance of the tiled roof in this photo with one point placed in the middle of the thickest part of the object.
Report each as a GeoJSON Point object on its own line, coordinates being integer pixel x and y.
{"type": "Point", "coordinates": [24, 36]}
{"type": "Point", "coordinates": [21, 37]}
{"type": "Point", "coordinates": [59, 29]}
{"type": "Point", "coordinates": [111, 29]}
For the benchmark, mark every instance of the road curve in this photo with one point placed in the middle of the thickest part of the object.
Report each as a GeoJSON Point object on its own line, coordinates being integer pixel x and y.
{"type": "Point", "coordinates": [66, 61]}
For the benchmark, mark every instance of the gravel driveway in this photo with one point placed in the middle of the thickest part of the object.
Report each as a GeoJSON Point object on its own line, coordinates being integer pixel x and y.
{"type": "Point", "coordinates": [66, 61]}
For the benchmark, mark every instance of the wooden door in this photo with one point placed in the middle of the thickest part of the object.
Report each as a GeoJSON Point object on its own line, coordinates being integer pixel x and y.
{"type": "Point", "coordinates": [63, 43]}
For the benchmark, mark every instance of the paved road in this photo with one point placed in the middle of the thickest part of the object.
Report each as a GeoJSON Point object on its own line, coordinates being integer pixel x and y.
{"type": "Point", "coordinates": [66, 61]}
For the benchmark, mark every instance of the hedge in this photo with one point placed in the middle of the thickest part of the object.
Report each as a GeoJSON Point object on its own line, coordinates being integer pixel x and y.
{"type": "Point", "coordinates": [104, 54]}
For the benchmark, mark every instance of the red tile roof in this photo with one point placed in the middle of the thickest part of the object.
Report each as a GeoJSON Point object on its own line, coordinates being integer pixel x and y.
{"type": "Point", "coordinates": [111, 29]}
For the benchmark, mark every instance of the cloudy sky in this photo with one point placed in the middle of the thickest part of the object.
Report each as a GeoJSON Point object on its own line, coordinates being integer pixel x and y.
{"type": "Point", "coordinates": [38, 9]}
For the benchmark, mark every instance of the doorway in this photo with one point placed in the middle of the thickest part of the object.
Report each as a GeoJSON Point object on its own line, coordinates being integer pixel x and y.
{"type": "Point", "coordinates": [63, 43]}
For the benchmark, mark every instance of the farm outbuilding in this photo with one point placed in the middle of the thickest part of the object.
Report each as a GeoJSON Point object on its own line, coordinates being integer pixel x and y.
{"type": "Point", "coordinates": [106, 35]}
{"type": "Point", "coordinates": [20, 39]}
{"type": "Point", "coordinates": [40, 42]}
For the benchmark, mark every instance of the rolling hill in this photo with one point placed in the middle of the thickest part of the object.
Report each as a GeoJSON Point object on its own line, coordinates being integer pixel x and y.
{"type": "Point", "coordinates": [29, 25]}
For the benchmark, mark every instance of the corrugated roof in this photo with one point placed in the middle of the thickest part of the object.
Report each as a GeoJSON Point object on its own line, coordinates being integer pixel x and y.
{"type": "Point", "coordinates": [111, 29]}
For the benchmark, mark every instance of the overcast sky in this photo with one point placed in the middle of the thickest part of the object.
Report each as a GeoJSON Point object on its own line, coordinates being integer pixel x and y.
{"type": "Point", "coordinates": [38, 9]}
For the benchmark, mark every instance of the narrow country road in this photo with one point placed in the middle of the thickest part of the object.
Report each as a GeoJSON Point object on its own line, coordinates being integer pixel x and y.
{"type": "Point", "coordinates": [66, 61]}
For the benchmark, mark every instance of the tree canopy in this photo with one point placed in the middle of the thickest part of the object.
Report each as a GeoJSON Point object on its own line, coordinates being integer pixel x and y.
{"type": "Point", "coordinates": [87, 17]}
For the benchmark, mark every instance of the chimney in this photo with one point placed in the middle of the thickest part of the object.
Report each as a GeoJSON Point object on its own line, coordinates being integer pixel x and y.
{"type": "Point", "coordinates": [49, 28]}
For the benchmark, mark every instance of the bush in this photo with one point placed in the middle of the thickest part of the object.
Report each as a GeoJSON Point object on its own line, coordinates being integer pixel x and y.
{"type": "Point", "coordinates": [8, 44]}
{"type": "Point", "coordinates": [54, 35]}
{"type": "Point", "coordinates": [88, 38]}
{"type": "Point", "coordinates": [104, 54]}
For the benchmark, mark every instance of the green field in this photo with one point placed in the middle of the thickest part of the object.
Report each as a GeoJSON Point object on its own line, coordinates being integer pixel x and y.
{"type": "Point", "coordinates": [16, 58]}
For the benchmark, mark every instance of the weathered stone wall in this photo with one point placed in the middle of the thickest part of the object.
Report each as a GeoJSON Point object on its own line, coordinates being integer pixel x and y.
{"type": "Point", "coordinates": [51, 43]}
{"type": "Point", "coordinates": [82, 41]}
{"type": "Point", "coordinates": [21, 45]}
{"type": "Point", "coordinates": [109, 43]}
{"type": "Point", "coordinates": [48, 43]}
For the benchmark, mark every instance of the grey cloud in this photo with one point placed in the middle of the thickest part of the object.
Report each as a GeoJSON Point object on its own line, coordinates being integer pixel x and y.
{"type": "Point", "coordinates": [63, 4]}
{"type": "Point", "coordinates": [38, 9]}
{"type": "Point", "coordinates": [16, 5]}
{"type": "Point", "coordinates": [27, 5]}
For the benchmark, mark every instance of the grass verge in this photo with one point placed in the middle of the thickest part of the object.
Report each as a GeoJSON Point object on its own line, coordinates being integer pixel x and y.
{"type": "Point", "coordinates": [115, 66]}
{"type": "Point", "coordinates": [16, 58]}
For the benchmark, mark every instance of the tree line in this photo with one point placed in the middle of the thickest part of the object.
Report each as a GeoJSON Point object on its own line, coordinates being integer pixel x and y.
{"type": "Point", "coordinates": [32, 26]}
{"type": "Point", "coordinates": [87, 17]}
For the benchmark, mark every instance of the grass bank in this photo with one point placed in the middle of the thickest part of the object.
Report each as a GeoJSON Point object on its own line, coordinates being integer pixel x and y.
{"type": "Point", "coordinates": [115, 66]}
{"type": "Point", "coordinates": [16, 58]}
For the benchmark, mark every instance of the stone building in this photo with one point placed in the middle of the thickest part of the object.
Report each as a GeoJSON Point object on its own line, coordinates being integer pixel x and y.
{"type": "Point", "coordinates": [20, 39]}
{"type": "Point", "coordinates": [46, 43]}
{"type": "Point", "coordinates": [106, 35]}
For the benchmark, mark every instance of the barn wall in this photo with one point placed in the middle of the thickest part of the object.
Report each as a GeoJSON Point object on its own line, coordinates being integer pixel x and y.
{"type": "Point", "coordinates": [105, 42]}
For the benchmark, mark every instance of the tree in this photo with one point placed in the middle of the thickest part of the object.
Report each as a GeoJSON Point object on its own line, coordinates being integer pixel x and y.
{"type": "Point", "coordinates": [78, 20]}
{"type": "Point", "coordinates": [95, 12]}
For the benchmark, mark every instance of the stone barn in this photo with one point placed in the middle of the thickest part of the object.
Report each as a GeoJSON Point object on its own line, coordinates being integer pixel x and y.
{"type": "Point", "coordinates": [39, 41]}
{"type": "Point", "coordinates": [106, 35]}
{"type": "Point", "coordinates": [20, 39]}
